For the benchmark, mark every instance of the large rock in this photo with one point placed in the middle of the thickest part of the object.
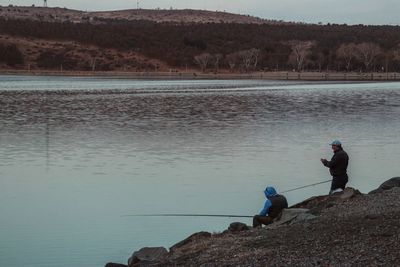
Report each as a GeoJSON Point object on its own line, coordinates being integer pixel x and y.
{"type": "Point", "coordinates": [348, 193]}
{"type": "Point", "coordinates": [292, 215]}
{"type": "Point", "coordinates": [238, 227]}
{"type": "Point", "coordinates": [389, 184]}
{"type": "Point", "coordinates": [320, 203]}
{"type": "Point", "coordinates": [147, 256]}
{"type": "Point", "coordinates": [190, 239]}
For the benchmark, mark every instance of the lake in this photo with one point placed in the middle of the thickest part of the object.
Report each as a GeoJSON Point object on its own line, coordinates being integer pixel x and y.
{"type": "Point", "coordinates": [77, 154]}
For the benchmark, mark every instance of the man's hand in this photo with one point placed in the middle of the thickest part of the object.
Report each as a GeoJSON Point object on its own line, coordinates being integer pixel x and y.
{"type": "Point", "coordinates": [324, 161]}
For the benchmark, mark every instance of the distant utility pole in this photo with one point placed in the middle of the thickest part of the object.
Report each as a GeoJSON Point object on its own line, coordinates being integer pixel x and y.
{"type": "Point", "coordinates": [93, 63]}
{"type": "Point", "coordinates": [137, 4]}
{"type": "Point", "coordinates": [44, 3]}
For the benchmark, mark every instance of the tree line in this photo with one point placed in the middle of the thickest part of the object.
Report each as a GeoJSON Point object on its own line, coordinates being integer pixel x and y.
{"type": "Point", "coordinates": [235, 47]}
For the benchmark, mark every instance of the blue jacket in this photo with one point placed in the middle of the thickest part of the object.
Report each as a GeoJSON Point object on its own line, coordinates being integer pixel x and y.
{"type": "Point", "coordinates": [274, 204]}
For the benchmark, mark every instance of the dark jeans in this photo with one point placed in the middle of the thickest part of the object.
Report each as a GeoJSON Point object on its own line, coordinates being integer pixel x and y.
{"type": "Point", "coordinates": [339, 182]}
{"type": "Point", "coordinates": [259, 220]}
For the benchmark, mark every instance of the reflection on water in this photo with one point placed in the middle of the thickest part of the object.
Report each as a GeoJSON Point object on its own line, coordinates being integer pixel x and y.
{"type": "Point", "coordinates": [76, 154]}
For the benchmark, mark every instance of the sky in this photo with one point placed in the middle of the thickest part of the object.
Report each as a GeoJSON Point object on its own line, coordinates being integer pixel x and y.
{"type": "Point", "coordinates": [375, 12]}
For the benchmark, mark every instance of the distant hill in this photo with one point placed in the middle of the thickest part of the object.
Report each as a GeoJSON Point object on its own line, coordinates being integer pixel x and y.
{"type": "Point", "coordinates": [36, 38]}
{"type": "Point", "coordinates": [186, 16]}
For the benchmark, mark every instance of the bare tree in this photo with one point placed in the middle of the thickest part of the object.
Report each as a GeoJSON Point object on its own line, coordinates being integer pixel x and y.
{"type": "Point", "coordinates": [300, 51]}
{"type": "Point", "coordinates": [347, 52]}
{"type": "Point", "coordinates": [320, 60]}
{"type": "Point", "coordinates": [367, 52]}
{"type": "Point", "coordinates": [246, 57]}
{"type": "Point", "coordinates": [387, 58]}
{"type": "Point", "coordinates": [216, 59]}
{"type": "Point", "coordinates": [395, 55]}
{"type": "Point", "coordinates": [202, 60]}
{"type": "Point", "coordinates": [255, 56]}
{"type": "Point", "coordinates": [249, 58]}
{"type": "Point", "coordinates": [232, 60]}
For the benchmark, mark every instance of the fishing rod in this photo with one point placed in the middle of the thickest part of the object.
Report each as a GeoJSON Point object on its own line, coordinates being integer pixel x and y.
{"type": "Point", "coordinates": [305, 186]}
{"type": "Point", "coordinates": [216, 215]}
{"type": "Point", "coordinates": [189, 215]}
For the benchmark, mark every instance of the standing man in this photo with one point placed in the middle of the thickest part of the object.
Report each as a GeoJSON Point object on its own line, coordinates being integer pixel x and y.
{"type": "Point", "coordinates": [272, 208]}
{"type": "Point", "coordinates": [337, 167]}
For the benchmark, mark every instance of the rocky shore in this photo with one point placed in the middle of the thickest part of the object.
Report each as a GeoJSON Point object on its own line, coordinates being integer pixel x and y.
{"type": "Point", "coordinates": [175, 74]}
{"type": "Point", "coordinates": [345, 229]}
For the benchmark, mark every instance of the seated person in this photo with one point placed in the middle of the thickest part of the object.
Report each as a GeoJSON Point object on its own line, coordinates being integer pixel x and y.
{"type": "Point", "coordinates": [272, 208]}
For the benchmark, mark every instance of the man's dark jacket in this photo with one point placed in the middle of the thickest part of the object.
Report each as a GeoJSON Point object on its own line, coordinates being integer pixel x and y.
{"type": "Point", "coordinates": [338, 164]}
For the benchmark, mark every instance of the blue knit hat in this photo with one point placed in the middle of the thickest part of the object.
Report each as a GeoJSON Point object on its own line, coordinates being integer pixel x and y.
{"type": "Point", "coordinates": [270, 191]}
{"type": "Point", "coordinates": [336, 143]}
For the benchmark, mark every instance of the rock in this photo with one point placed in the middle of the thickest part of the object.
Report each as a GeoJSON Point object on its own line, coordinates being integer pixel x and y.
{"type": "Point", "coordinates": [317, 204]}
{"type": "Point", "coordinates": [306, 202]}
{"type": "Point", "coordinates": [320, 203]}
{"type": "Point", "coordinates": [147, 256]}
{"type": "Point", "coordinates": [389, 184]}
{"type": "Point", "coordinates": [194, 237]}
{"type": "Point", "coordinates": [238, 227]}
{"type": "Point", "coordinates": [111, 264]}
{"type": "Point", "coordinates": [349, 193]}
{"type": "Point", "coordinates": [292, 215]}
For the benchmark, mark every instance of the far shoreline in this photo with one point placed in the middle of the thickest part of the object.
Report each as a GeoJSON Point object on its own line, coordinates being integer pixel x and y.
{"type": "Point", "coordinates": [193, 75]}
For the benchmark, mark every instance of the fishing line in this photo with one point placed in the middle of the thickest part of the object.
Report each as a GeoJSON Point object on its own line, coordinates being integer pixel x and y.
{"type": "Point", "coordinates": [216, 215]}
{"type": "Point", "coordinates": [189, 215]}
{"type": "Point", "coordinates": [305, 186]}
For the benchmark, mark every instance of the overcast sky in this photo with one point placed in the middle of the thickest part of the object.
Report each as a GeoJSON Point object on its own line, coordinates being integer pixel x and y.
{"type": "Point", "coordinates": [314, 11]}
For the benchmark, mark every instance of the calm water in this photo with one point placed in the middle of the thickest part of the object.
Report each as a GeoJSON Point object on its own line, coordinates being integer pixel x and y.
{"type": "Point", "coordinates": [77, 153]}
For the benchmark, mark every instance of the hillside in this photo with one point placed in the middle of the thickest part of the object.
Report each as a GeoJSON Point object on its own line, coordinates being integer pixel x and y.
{"type": "Point", "coordinates": [186, 16]}
{"type": "Point", "coordinates": [37, 54]}
{"type": "Point", "coordinates": [187, 40]}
